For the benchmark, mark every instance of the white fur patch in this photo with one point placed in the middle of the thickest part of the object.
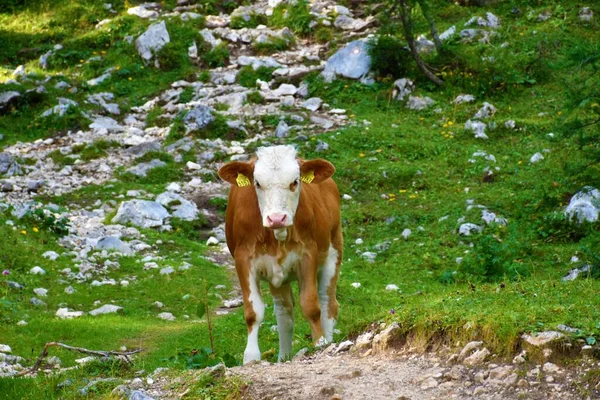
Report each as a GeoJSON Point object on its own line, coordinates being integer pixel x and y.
{"type": "Point", "coordinates": [326, 273]}
{"type": "Point", "coordinates": [275, 170]}
{"type": "Point", "coordinates": [252, 352]}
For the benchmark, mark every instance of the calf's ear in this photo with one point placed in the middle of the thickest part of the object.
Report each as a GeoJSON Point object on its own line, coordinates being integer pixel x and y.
{"type": "Point", "coordinates": [315, 171]}
{"type": "Point", "coordinates": [237, 173]}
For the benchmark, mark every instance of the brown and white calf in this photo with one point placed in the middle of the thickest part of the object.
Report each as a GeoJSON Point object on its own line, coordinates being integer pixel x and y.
{"type": "Point", "coordinates": [283, 224]}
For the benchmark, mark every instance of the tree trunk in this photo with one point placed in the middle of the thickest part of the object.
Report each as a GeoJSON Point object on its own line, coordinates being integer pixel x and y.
{"type": "Point", "coordinates": [406, 19]}
{"type": "Point", "coordinates": [426, 10]}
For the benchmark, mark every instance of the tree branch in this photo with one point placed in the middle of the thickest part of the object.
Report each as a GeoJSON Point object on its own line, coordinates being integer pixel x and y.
{"type": "Point", "coordinates": [101, 353]}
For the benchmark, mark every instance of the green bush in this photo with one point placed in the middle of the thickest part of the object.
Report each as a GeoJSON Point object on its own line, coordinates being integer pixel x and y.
{"type": "Point", "coordinates": [247, 76]}
{"type": "Point", "coordinates": [172, 56]}
{"type": "Point", "coordinates": [217, 57]}
{"type": "Point", "coordinates": [296, 16]}
{"type": "Point", "coordinates": [496, 255]}
{"type": "Point", "coordinates": [388, 56]}
{"type": "Point", "coordinates": [273, 44]}
{"type": "Point", "coordinates": [255, 98]}
{"type": "Point", "coordinates": [237, 22]}
{"type": "Point", "coordinates": [323, 35]}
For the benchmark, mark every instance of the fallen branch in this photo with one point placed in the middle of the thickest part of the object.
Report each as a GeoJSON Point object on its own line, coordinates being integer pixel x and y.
{"type": "Point", "coordinates": [100, 353]}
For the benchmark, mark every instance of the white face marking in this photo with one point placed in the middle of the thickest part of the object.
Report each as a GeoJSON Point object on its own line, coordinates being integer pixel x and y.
{"type": "Point", "coordinates": [252, 352]}
{"type": "Point", "coordinates": [275, 171]}
{"type": "Point", "coordinates": [327, 272]}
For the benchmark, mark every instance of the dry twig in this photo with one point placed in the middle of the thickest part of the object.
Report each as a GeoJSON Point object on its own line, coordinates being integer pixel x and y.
{"type": "Point", "coordinates": [100, 353]}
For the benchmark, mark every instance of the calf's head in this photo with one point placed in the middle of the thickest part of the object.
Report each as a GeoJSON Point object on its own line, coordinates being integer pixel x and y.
{"type": "Point", "coordinates": [276, 175]}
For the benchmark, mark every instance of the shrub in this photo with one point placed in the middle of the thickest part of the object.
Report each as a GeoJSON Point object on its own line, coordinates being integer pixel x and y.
{"type": "Point", "coordinates": [255, 98]}
{"type": "Point", "coordinates": [296, 16]}
{"type": "Point", "coordinates": [495, 256]}
{"type": "Point", "coordinates": [172, 56]}
{"type": "Point", "coordinates": [217, 57]}
{"type": "Point", "coordinates": [273, 44]}
{"type": "Point", "coordinates": [247, 76]}
{"type": "Point", "coordinates": [388, 56]}
{"type": "Point", "coordinates": [238, 22]}
{"type": "Point", "coordinates": [323, 35]}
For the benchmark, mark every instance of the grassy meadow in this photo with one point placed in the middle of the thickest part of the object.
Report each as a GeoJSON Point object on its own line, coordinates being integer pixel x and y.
{"type": "Point", "coordinates": [403, 169]}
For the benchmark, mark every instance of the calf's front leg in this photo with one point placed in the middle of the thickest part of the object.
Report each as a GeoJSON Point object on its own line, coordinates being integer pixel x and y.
{"type": "Point", "coordinates": [284, 312]}
{"type": "Point", "coordinates": [254, 308]}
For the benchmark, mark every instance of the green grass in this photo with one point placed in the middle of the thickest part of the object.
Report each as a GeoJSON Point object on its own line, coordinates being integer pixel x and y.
{"type": "Point", "coordinates": [404, 169]}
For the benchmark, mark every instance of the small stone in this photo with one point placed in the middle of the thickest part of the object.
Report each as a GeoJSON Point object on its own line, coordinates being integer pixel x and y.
{"type": "Point", "coordinates": [586, 14]}
{"type": "Point", "coordinates": [312, 104]}
{"type": "Point", "coordinates": [4, 348]}
{"type": "Point", "coordinates": [550, 368]}
{"type": "Point", "coordinates": [542, 339]}
{"type": "Point", "coordinates": [537, 157]}
{"type": "Point", "coordinates": [167, 270]}
{"type": "Point", "coordinates": [429, 383]}
{"type": "Point", "coordinates": [69, 290]}
{"type": "Point", "coordinates": [419, 103]}
{"type": "Point", "coordinates": [391, 287]}
{"type": "Point", "coordinates": [167, 316]}
{"type": "Point", "coordinates": [64, 313]}
{"type": "Point", "coordinates": [477, 358]}
{"type": "Point", "coordinates": [355, 285]}
{"type": "Point", "coordinates": [283, 130]}
{"type": "Point", "coordinates": [107, 309]}
{"type": "Point", "coordinates": [212, 241]}
{"type": "Point", "coordinates": [50, 255]}
{"type": "Point", "coordinates": [37, 271]}
{"type": "Point", "coordinates": [37, 302]}
{"type": "Point", "coordinates": [41, 292]}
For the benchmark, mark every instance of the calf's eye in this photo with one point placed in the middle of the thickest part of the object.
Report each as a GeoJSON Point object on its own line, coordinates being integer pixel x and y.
{"type": "Point", "coordinates": [294, 185]}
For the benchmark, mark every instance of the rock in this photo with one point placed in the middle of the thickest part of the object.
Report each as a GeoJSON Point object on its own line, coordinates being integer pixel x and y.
{"type": "Point", "coordinates": [107, 123]}
{"type": "Point", "coordinates": [198, 118]}
{"type": "Point", "coordinates": [424, 45]}
{"type": "Point", "coordinates": [419, 103]}
{"type": "Point", "coordinates": [402, 88]}
{"type": "Point", "coordinates": [478, 129]}
{"type": "Point", "coordinates": [50, 255]}
{"type": "Point", "coordinates": [36, 302]}
{"type": "Point", "coordinates": [537, 157]}
{"type": "Point", "coordinates": [468, 349]}
{"type": "Point", "coordinates": [64, 313]}
{"type": "Point", "coordinates": [283, 130]}
{"type": "Point", "coordinates": [364, 340]}
{"type": "Point", "coordinates": [500, 373]}
{"type": "Point", "coordinates": [586, 14]}
{"type": "Point", "coordinates": [113, 243]}
{"type": "Point", "coordinates": [285, 89]}
{"type": "Point", "coordinates": [216, 21]}
{"type": "Point", "coordinates": [107, 309]}
{"type": "Point", "coordinates": [151, 41]}
{"type": "Point", "coordinates": [550, 368]}
{"type": "Point", "coordinates": [477, 358]}
{"type": "Point", "coordinates": [142, 12]}
{"type": "Point", "coordinates": [212, 241]}
{"type": "Point", "coordinates": [385, 339]}
{"type": "Point", "coordinates": [468, 228]}
{"type": "Point", "coordinates": [322, 122]}
{"type": "Point", "coordinates": [429, 383]}
{"type": "Point", "coordinates": [312, 104]}
{"type": "Point", "coordinates": [8, 97]}
{"type": "Point", "coordinates": [143, 168]}
{"type": "Point", "coordinates": [98, 80]}
{"type": "Point", "coordinates": [167, 271]}
{"type": "Point", "coordinates": [391, 287]}
{"type": "Point", "coordinates": [137, 395]}
{"type": "Point", "coordinates": [141, 213]}
{"type": "Point", "coordinates": [510, 124]}
{"type": "Point", "coordinates": [321, 146]}
{"type": "Point", "coordinates": [352, 61]}
{"type": "Point", "coordinates": [184, 209]}
{"type": "Point", "coordinates": [41, 292]}
{"type": "Point", "coordinates": [69, 290]}
{"type": "Point", "coordinates": [355, 285]}
{"type": "Point", "coordinates": [546, 15]}
{"type": "Point", "coordinates": [9, 165]}
{"type": "Point", "coordinates": [4, 348]}
{"type": "Point", "coordinates": [543, 339]}
{"type": "Point", "coordinates": [448, 33]}
{"type": "Point", "coordinates": [37, 271]}
{"type": "Point", "coordinates": [584, 205]}
{"type": "Point", "coordinates": [19, 71]}
{"type": "Point", "coordinates": [464, 98]}
{"type": "Point", "coordinates": [486, 111]}
{"type": "Point", "coordinates": [167, 316]}
{"type": "Point", "coordinates": [22, 323]}
{"type": "Point", "coordinates": [369, 256]}
{"type": "Point", "coordinates": [406, 233]}
{"type": "Point", "coordinates": [233, 303]}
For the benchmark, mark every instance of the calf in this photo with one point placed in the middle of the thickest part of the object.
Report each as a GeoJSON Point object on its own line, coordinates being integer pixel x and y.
{"type": "Point", "coordinates": [283, 224]}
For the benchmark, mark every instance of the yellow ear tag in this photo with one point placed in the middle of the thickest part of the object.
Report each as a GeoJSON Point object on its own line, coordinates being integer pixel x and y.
{"type": "Point", "coordinates": [308, 177]}
{"type": "Point", "coordinates": [242, 180]}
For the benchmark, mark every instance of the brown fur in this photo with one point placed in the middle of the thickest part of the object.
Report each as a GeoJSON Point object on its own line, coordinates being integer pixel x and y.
{"type": "Point", "coordinates": [317, 225]}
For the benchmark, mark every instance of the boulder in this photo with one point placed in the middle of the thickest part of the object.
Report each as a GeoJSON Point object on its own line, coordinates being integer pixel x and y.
{"type": "Point", "coordinates": [151, 41]}
{"type": "Point", "coordinates": [352, 61]}
{"type": "Point", "coordinates": [184, 209]}
{"type": "Point", "coordinates": [419, 103]}
{"type": "Point", "coordinates": [198, 118]}
{"type": "Point", "coordinates": [584, 205]}
{"type": "Point", "coordinates": [8, 165]}
{"type": "Point", "coordinates": [141, 213]}
{"type": "Point", "coordinates": [107, 309]}
{"type": "Point", "coordinates": [7, 97]}
{"type": "Point", "coordinates": [142, 169]}
{"type": "Point", "coordinates": [112, 243]}
{"type": "Point", "coordinates": [142, 12]}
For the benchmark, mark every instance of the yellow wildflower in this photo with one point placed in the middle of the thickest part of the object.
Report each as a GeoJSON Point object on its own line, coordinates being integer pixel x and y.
{"type": "Point", "coordinates": [35, 229]}
{"type": "Point", "coordinates": [23, 232]}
